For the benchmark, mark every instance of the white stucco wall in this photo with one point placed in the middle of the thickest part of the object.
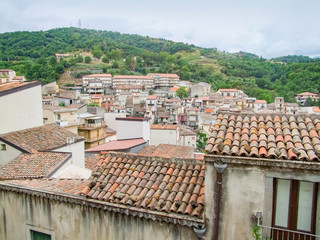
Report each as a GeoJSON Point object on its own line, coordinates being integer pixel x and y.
{"type": "Point", "coordinates": [133, 129]}
{"type": "Point", "coordinates": [162, 136]}
{"type": "Point", "coordinates": [77, 150]}
{"type": "Point", "coordinates": [9, 154]}
{"type": "Point", "coordinates": [23, 109]}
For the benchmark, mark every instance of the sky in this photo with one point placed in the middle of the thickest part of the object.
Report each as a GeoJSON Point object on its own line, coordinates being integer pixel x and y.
{"type": "Point", "coordinates": [267, 28]}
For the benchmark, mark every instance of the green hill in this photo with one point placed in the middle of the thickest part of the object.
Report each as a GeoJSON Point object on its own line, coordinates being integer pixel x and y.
{"type": "Point", "coordinates": [32, 54]}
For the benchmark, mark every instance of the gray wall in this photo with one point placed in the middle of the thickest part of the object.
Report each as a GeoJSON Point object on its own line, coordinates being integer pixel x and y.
{"type": "Point", "coordinates": [21, 212]}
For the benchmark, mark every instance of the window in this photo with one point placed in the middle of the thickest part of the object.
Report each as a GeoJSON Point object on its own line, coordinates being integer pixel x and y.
{"type": "Point", "coordinates": [294, 207]}
{"type": "Point", "coordinates": [3, 147]}
{"type": "Point", "coordinates": [39, 235]}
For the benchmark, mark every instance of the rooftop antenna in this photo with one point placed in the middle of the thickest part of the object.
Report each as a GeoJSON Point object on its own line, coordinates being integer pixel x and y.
{"type": "Point", "coordinates": [79, 23]}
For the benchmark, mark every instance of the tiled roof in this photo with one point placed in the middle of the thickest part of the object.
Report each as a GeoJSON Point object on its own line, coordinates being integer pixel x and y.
{"type": "Point", "coordinates": [71, 186]}
{"type": "Point", "coordinates": [117, 145]}
{"type": "Point", "coordinates": [46, 137]}
{"type": "Point", "coordinates": [37, 165]}
{"type": "Point", "coordinates": [228, 90]}
{"type": "Point", "coordinates": [266, 136]}
{"type": "Point", "coordinates": [209, 110]}
{"type": "Point", "coordinates": [163, 127]}
{"type": "Point", "coordinates": [98, 75]}
{"type": "Point", "coordinates": [163, 185]}
{"type": "Point", "coordinates": [131, 77]}
{"type": "Point", "coordinates": [59, 108]}
{"type": "Point", "coordinates": [261, 101]}
{"type": "Point", "coordinates": [152, 97]}
{"type": "Point", "coordinates": [12, 85]}
{"type": "Point", "coordinates": [307, 93]}
{"type": "Point", "coordinates": [170, 75]}
{"type": "Point", "coordinates": [167, 151]}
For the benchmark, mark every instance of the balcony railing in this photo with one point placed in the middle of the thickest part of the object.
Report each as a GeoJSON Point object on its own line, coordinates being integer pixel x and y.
{"type": "Point", "coordinates": [275, 233]}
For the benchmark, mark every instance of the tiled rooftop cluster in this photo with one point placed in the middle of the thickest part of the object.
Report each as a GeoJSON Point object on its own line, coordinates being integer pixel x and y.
{"type": "Point", "coordinates": [266, 136]}
{"type": "Point", "coordinates": [37, 165]}
{"type": "Point", "coordinates": [150, 184]}
{"type": "Point", "coordinates": [46, 137]}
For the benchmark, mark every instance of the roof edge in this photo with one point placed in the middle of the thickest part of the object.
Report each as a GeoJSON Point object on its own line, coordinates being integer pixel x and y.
{"type": "Point", "coordinates": [263, 162]}
{"type": "Point", "coordinates": [20, 88]}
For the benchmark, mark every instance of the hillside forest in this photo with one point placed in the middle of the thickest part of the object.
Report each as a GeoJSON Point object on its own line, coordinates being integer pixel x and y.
{"type": "Point", "coordinates": [32, 54]}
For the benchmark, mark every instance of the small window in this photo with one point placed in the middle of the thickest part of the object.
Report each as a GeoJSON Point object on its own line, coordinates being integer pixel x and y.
{"type": "Point", "coordinates": [3, 147]}
{"type": "Point", "coordinates": [39, 235]}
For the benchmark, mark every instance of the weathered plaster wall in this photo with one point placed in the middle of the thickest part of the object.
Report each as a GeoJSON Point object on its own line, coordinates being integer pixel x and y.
{"type": "Point", "coordinates": [19, 212]}
{"type": "Point", "coordinates": [9, 154]}
{"type": "Point", "coordinates": [244, 197]}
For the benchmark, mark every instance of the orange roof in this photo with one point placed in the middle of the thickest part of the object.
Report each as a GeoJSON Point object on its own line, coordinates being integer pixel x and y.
{"type": "Point", "coordinates": [228, 90]}
{"type": "Point", "coordinates": [174, 89]}
{"type": "Point", "coordinates": [152, 97]}
{"type": "Point", "coordinates": [132, 77]}
{"type": "Point", "coordinates": [12, 85]}
{"type": "Point", "coordinates": [170, 75]}
{"type": "Point", "coordinates": [316, 109]}
{"type": "Point", "coordinates": [98, 75]}
{"type": "Point", "coordinates": [307, 93]}
{"type": "Point", "coordinates": [209, 110]}
{"type": "Point", "coordinates": [261, 101]}
{"type": "Point", "coordinates": [164, 127]}
{"type": "Point", "coordinates": [117, 145]}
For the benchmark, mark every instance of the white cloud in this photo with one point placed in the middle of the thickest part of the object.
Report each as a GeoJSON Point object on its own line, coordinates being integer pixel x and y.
{"type": "Point", "coordinates": [268, 28]}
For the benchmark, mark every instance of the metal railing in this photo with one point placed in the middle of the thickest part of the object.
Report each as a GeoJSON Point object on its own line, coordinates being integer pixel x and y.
{"type": "Point", "coordinates": [275, 233]}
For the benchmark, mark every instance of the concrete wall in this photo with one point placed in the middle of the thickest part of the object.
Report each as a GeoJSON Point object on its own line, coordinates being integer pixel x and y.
{"type": "Point", "coordinates": [9, 154]}
{"type": "Point", "coordinates": [77, 150]}
{"type": "Point", "coordinates": [23, 109]}
{"type": "Point", "coordinates": [74, 221]}
{"type": "Point", "coordinates": [110, 119]}
{"type": "Point", "coordinates": [162, 136]}
{"type": "Point", "coordinates": [246, 190]}
{"type": "Point", "coordinates": [133, 129]}
{"type": "Point", "coordinates": [190, 141]}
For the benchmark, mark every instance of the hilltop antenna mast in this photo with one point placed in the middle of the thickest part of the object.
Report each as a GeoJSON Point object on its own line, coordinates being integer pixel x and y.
{"type": "Point", "coordinates": [79, 23]}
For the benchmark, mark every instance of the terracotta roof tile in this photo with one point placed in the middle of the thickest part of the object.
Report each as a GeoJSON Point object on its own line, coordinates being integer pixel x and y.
{"type": "Point", "coordinates": [36, 165]}
{"type": "Point", "coordinates": [46, 137]}
{"type": "Point", "coordinates": [282, 137]}
{"type": "Point", "coordinates": [169, 187]}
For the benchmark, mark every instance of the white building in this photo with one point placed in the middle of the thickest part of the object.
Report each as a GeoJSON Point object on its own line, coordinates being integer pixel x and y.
{"type": "Point", "coordinates": [106, 79]}
{"type": "Point", "coordinates": [146, 81]}
{"type": "Point", "coordinates": [165, 80]}
{"type": "Point", "coordinates": [20, 106]}
{"type": "Point", "coordinates": [164, 134]}
{"type": "Point", "coordinates": [302, 97]}
{"type": "Point", "coordinates": [133, 127]}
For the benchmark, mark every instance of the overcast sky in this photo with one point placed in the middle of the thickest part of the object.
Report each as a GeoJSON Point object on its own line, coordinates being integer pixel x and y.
{"type": "Point", "coordinates": [268, 28]}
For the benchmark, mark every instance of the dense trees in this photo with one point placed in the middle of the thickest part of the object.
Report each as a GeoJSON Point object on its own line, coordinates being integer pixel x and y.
{"type": "Point", "coordinates": [32, 54]}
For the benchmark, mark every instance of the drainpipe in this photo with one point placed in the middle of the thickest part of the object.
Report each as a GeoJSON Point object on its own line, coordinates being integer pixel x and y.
{"type": "Point", "coordinates": [220, 167]}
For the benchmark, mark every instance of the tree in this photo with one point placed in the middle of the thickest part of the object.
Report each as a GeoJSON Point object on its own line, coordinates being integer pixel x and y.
{"type": "Point", "coordinates": [150, 92]}
{"type": "Point", "coordinates": [130, 63]}
{"type": "Point", "coordinates": [105, 59]}
{"type": "Point", "coordinates": [97, 52]}
{"type": "Point", "coordinates": [182, 92]}
{"type": "Point", "coordinates": [202, 141]}
{"type": "Point", "coordinates": [87, 59]}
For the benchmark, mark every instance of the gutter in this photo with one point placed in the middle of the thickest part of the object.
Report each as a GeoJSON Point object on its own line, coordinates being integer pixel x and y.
{"type": "Point", "coordinates": [220, 167]}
